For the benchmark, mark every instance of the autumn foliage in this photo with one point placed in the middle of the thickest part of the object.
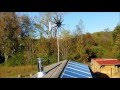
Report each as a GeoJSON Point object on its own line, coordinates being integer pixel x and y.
{"type": "Point", "coordinates": [24, 39]}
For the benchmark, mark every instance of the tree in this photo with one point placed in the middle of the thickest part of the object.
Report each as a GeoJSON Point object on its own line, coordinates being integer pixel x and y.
{"type": "Point", "coordinates": [9, 31]}
{"type": "Point", "coordinates": [116, 39]}
{"type": "Point", "coordinates": [79, 39]}
{"type": "Point", "coordinates": [115, 32]}
{"type": "Point", "coordinates": [79, 28]}
{"type": "Point", "coordinates": [27, 37]}
{"type": "Point", "coordinates": [46, 17]}
{"type": "Point", "coordinates": [79, 36]}
{"type": "Point", "coordinates": [116, 48]}
{"type": "Point", "coordinates": [104, 41]}
{"type": "Point", "coordinates": [65, 44]}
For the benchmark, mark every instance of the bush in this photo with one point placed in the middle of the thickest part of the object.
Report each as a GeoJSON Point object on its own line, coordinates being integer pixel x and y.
{"type": "Point", "coordinates": [98, 51]}
{"type": "Point", "coordinates": [33, 61]}
{"type": "Point", "coordinates": [49, 60]}
{"type": "Point", "coordinates": [84, 58]}
{"type": "Point", "coordinates": [16, 60]}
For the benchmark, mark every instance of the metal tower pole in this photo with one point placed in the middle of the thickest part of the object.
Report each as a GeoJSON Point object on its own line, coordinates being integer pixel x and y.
{"type": "Point", "coordinates": [58, 44]}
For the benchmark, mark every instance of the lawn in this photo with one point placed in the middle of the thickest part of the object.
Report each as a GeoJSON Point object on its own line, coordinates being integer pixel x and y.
{"type": "Point", "coordinates": [13, 72]}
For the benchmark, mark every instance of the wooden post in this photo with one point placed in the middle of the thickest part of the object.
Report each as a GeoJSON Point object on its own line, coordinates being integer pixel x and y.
{"type": "Point", "coordinates": [111, 72]}
{"type": "Point", "coordinates": [31, 75]}
{"type": "Point", "coordinates": [19, 75]}
{"type": "Point", "coordinates": [119, 72]}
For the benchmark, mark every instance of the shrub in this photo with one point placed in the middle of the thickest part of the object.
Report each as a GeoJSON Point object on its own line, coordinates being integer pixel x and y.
{"type": "Point", "coordinates": [16, 59]}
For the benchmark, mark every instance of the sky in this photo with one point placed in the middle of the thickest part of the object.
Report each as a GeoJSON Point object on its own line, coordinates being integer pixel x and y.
{"type": "Point", "coordinates": [93, 21]}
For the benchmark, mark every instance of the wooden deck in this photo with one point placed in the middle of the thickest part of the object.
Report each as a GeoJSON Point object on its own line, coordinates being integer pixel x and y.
{"type": "Point", "coordinates": [54, 70]}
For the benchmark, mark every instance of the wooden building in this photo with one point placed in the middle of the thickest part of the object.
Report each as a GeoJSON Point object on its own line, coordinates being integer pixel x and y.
{"type": "Point", "coordinates": [108, 67]}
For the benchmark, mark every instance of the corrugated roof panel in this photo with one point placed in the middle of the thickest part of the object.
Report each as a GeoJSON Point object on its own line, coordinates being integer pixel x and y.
{"type": "Point", "coordinates": [76, 70]}
{"type": "Point", "coordinates": [78, 64]}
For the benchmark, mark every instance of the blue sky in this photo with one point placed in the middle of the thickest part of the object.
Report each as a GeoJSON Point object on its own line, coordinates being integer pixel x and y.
{"type": "Point", "coordinates": [93, 21]}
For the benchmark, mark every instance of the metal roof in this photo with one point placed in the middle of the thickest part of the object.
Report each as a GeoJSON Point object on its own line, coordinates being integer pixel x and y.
{"type": "Point", "coordinates": [104, 61]}
{"type": "Point", "coordinates": [76, 70]}
{"type": "Point", "coordinates": [67, 69]}
{"type": "Point", "coordinates": [109, 62]}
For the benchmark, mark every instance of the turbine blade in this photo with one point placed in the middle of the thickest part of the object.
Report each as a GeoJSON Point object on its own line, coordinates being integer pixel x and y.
{"type": "Point", "coordinates": [55, 20]}
{"type": "Point", "coordinates": [50, 26]}
{"type": "Point", "coordinates": [62, 24]}
{"type": "Point", "coordinates": [54, 25]}
{"type": "Point", "coordinates": [52, 21]}
{"type": "Point", "coordinates": [62, 21]}
{"type": "Point", "coordinates": [62, 28]}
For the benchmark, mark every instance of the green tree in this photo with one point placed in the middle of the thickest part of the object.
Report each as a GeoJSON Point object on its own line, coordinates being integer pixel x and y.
{"type": "Point", "coordinates": [115, 32]}
{"type": "Point", "coordinates": [116, 48]}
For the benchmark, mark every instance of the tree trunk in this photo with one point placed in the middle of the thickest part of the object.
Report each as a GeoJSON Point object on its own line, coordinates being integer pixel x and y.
{"type": "Point", "coordinates": [6, 57]}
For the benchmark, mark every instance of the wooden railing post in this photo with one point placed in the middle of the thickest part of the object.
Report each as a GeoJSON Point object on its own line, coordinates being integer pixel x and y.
{"type": "Point", "coordinates": [19, 75]}
{"type": "Point", "coordinates": [119, 72]}
{"type": "Point", "coordinates": [111, 72]}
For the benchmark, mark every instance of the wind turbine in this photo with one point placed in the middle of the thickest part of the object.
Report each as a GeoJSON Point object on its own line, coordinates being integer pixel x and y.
{"type": "Point", "coordinates": [57, 24]}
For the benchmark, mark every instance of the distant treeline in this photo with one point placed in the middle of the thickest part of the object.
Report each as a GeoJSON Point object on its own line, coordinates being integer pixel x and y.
{"type": "Point", "coordinates": [24, 39]}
